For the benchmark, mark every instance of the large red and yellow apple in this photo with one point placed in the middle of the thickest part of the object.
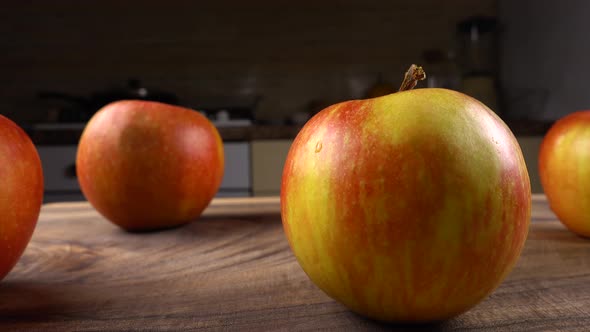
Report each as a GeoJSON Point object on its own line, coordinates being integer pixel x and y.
{"type": "Point", "coordinates": [21, 193]}
{"type": "Point", "coordinates": [564, 168]}
{"type": "Point", "coordinates": [409, 207]}
{"type": "Point", "coordinates": [147, 165]}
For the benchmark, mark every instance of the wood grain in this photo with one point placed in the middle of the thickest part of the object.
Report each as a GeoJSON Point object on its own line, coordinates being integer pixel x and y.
{"type": "Point", "coordinates": [232, 271]}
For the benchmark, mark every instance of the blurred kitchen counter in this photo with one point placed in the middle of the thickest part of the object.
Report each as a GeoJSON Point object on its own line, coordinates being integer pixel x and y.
{"type": "Point", "coordinates": [65, 135]}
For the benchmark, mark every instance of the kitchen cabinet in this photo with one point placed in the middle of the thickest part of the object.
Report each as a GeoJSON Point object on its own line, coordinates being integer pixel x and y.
{"type": "Point", "coordinates": [236, 180]}
{"type": "Point", "coordinates": [251, 168]}
{"type": "Point", "coordinates": [268, 159]}
{"type": "Point", "coordinates": [61, 183]}
{"type": "Point", "coordinates": [530, 146]}
{"type": "Point", "coordinates": [59, 173]}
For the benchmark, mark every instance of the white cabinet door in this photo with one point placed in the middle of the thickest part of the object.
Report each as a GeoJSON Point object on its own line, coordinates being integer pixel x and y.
{"type": "Point", "coordinates": [236, 178]}
{"type": "Point", "coordinates": [268, 160]}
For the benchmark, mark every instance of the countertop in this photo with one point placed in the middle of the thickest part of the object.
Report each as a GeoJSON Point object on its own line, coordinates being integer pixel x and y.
{"type": "Point", "coordinates": [233, 270]}
{"type": "Point", "coordinates": [70, 136]}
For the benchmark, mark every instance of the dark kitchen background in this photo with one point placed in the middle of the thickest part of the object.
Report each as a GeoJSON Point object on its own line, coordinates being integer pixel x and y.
{"type": "Point", "coordinates": [260, 69]}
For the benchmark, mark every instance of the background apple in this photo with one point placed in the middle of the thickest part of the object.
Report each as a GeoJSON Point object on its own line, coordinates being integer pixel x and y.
{"type": "Point", "coordinates": [147, 165]}
{"type": "Point", "coordinates": [564, 168]}
{"type": "Point", "coordinates": [408, 207]}
{"type": "Point", "coordinates": [21, 193]}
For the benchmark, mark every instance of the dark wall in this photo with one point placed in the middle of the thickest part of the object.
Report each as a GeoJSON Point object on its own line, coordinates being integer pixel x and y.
{"type": "Point", "coordinates": [294, 53]}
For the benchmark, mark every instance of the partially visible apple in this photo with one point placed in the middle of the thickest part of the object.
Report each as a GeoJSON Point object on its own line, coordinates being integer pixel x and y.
{"type": "Point", "coordinates": [148, 165]}
{"type": "Point", "coordinates": [21, 193]}
{"type": "Point", "coordinates": [409, 207]}
{"type": "Point", "coordinates": [564, 168]}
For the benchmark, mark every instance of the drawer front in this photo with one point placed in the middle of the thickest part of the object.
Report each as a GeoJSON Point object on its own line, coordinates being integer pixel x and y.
{"type": "Point", "coordinates": [60, 174]}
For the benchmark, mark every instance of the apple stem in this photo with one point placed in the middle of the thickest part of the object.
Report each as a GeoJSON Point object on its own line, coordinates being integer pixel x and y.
{"type": "Point", "coordinates": [413, 75]}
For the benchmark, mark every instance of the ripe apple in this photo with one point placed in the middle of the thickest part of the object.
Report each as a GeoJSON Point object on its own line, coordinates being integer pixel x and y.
{"type": "Point", "coordinates": [147, 165]}
{"type": "Point", "coordinates": [409, 207]}
{"type": "Point", "coordinates": [21, 193]}
{"type": "Point", "coordinates": [564, 168]}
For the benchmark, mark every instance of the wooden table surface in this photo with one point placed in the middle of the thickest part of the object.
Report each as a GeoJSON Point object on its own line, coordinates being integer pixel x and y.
{"type": "Point", "coordinates": [233, 270]}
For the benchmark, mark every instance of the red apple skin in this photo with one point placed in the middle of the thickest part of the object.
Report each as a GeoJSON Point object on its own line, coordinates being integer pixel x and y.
{"type": "Point", "coordinates": [148, 165]}
{"type": "Point", "coordinates": [411, 207]}
{"type": "Point", "coordinates": [21, 193]}
{"type": "Point", "coordinates": [564, 169]}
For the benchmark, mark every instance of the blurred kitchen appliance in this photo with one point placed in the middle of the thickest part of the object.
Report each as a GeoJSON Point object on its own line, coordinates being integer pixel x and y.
{"type": "Point", "coordinates": [477, 58]}
{"type": "Point", "coordinates": [66, 107]}
{"type": "Point", "coordinates": [441, 69]}
{"type": "Point", "coordinates": [61, 183]}
{"type": "Point", "coordinates": [229, 111]}
{"type": "Point", "coordinates": [73, 112]}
